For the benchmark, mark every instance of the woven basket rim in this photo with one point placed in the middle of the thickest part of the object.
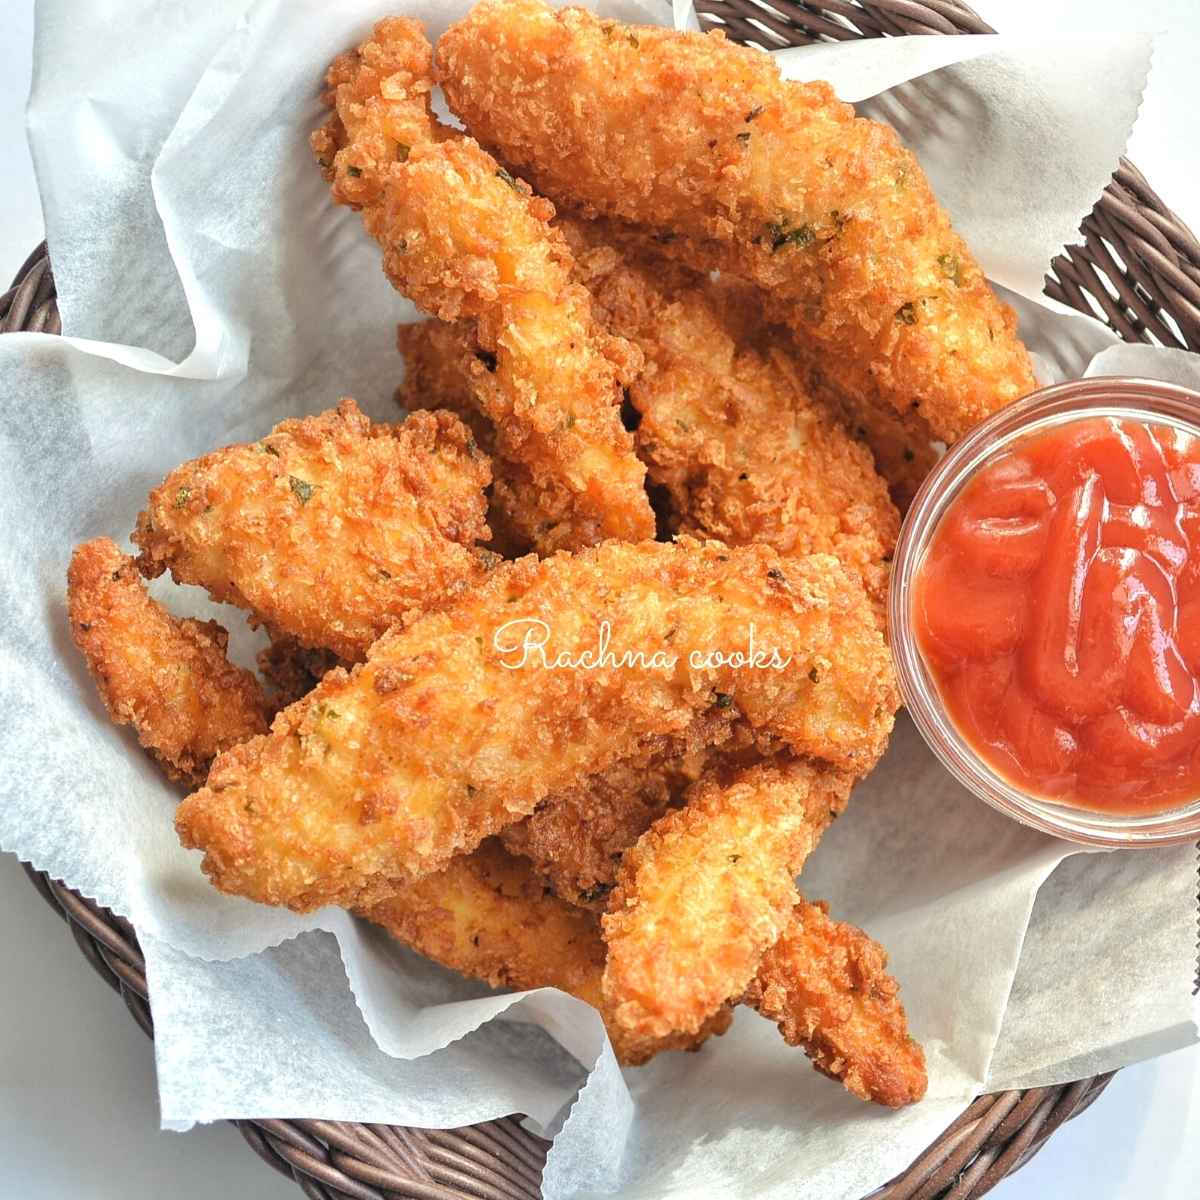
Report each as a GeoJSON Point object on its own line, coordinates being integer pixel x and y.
{"type": "Point", "coordinates": [1137, 269]}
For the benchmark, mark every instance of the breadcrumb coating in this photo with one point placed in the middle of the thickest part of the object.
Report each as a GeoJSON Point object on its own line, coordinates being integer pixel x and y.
{"type": "Point", "coordinates": [489, 916]}
{"type": "Point", "coordinates": [330, 529]}
{"type": "Point", "coordinates": [727, 425]}
{"type": "Point", "coordinates": [826, 984]}
{"type": "Point", "coordinates": [292, 670]}
{"type": "Point", "coordinates": [700, 141]}
{"type": "Point", "coordinates": [442, 369]}
{"type": "Point", "coordinates": [438, 361]}
{"type": "Point", "coordinates": [465, 240]}
{"type": "Point", "coordinates": [902, 445]}
{"type": "Point", "coordinates": [168, 678]}
{"type": "Point", "coordinates": [459, 725]}
{"type": "Point", "coordinates": [576, 838]}
{"type": "Point", "coordinates": [708, 889]}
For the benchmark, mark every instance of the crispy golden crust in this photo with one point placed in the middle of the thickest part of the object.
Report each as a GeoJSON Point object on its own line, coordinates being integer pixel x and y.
{"type": "Point", "coordinates": [902, 445]}
{"type": "Point", "coordinates": [690, 136]}
{"type": "Point", "coordinates": [466, 241]}
{"type": "Point", "coordinates": [576, 838]}
{"type": "Point", "coordinates": [727, 425]}
{"type": "Point", "coordinates": [382, 775]}
{"type": "Point", "coordinates": [168, 678]}
{"type": "Point", "coordinates": [825, 982]}
{"type": "Point", "coordinates": [330, 529]}
{"type": "Point", "coordinates": [442, 366]}
{"type": "Point", "coordinates": [708, 889]}
{"type": "Point", "coordinates": [488, 915]}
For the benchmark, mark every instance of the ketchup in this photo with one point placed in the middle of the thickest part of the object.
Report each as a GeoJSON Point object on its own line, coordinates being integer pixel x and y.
{"type": "Point", "coordinates": [1058, 611]}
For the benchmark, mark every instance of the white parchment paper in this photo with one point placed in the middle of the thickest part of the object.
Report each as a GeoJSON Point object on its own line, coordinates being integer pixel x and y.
{"type": "Point", "coordinates": [208, 290]}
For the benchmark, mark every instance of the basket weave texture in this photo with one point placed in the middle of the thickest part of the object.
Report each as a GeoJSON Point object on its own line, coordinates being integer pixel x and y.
{"type": "Point", "coordinates": [1137, 269]}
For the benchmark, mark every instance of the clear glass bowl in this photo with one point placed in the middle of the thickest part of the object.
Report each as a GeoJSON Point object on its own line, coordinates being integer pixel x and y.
{"type": "Point", "coordinates": [1135, 399]}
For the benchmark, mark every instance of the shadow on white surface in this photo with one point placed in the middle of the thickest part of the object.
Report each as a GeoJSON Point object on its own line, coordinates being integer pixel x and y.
{"type": "Point", "coordinates": [78, 1109]}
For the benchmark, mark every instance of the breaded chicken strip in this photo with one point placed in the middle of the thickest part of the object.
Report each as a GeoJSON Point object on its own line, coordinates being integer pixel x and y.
{"type": "Point", "coordinates": [488, 915]}
{"type": "Point", "coordinates": [699, 140]}
{"type": "Point", "coordinates": [466, 241]}
{"type": "Point", "coordinates": [441, 361]}
{"type": "Point", "coordinates": [461, 723]}
{"type": "Point", "coordinates": [708, 889]}
{"type": "Point", "coordinates": [168, 678]}
{"type": "Point", "coordinates": [330, 529]}
{"type": "Point", "coordinates": [727, 426]}
{"type": "Point", "coordinates": [825, 982]}
{"type": "Point", "coordinates": [902, 444]}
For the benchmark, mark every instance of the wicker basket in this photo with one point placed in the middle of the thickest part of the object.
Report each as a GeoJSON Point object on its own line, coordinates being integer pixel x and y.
{"type": "Point", "coordinates": [1138, 269]}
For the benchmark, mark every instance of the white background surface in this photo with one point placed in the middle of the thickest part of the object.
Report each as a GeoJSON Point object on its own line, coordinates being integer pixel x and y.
{"type": "Point", "coordinates": [78, 1117]}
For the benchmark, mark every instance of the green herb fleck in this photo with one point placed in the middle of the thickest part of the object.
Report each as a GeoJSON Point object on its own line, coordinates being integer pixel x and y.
{"type": "Point", "coordinates": [633, 39]}
{"type": "Point", "coordinates": [182, 496]}
{"type": "Point", "coordinates": [724, 700]}
{"type": "Point", "coordinates": [909, 456]}
{"type": "Point", "coordinates": [906, 314]}
{"type": "Point", "coordinates": [782, 235]}
{"type": "Point", "coordinates": [402, 152]}
{"type": "Point", "coordinates": [951, 268]}
{"type": "Point", "coordinates": [303, 490]}
{"type": "Point", "coordinates": [269, 449]}
{"type": "Point", "coordinates": [754, 113]}
{"type": "Point", "coordinates": [507, 177]}
{"type": "Point", "coordinates": [354, 172]}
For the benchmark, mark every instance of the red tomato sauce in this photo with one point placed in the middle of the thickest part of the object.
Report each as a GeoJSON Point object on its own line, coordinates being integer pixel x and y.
{"type": "Point", "coordinates": [1058, 611]}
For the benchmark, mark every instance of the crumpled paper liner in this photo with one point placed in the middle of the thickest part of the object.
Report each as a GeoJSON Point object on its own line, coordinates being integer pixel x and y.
{"type": "Point", "coordinates": [209, 290]}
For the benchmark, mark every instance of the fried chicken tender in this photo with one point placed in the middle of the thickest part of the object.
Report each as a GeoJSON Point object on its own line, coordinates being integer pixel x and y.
{"type": "Point", "coordinates": [168, 678]}
{"type": "Point", "coordinates": [459, 724]}
{"type": "Point", "coordinates": [488, 916]}
{"type": "Point", "coordinates": [727, 426]}
{"type": "Point", "coordinates": [330, 529]}
{"type": "Point", "coordinates": [708, 889]}
{"type": "Point", "coordinates": [825, 982]}
{"type": "Point", "coordinates": [466, 241]}
{"type": "Point", "coordinates": [694, 138]}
